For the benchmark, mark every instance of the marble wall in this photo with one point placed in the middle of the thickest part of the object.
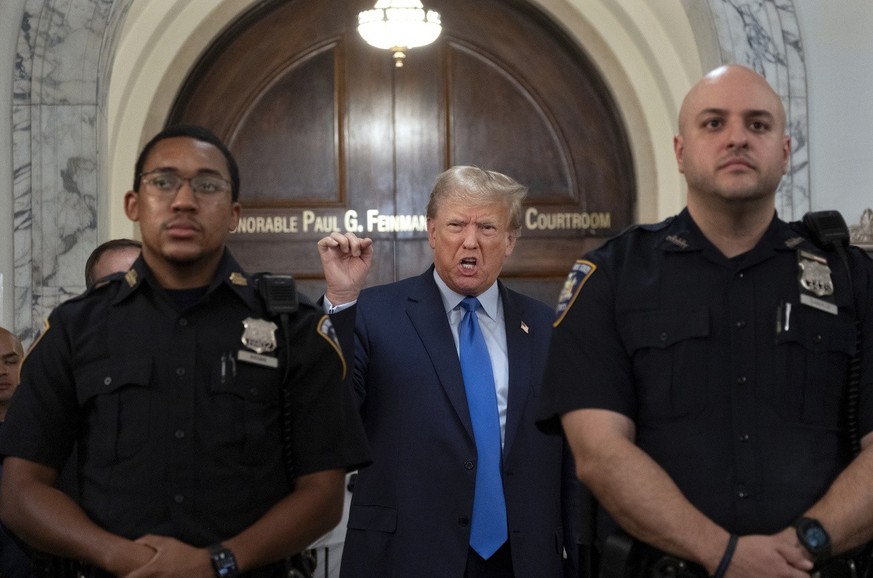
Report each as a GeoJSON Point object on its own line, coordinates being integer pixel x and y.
{"type": "Point", "coordinates": [765, 36]}
{"type": "Point", "coordinates": [65, 52]}
{"type": "Point", "coordinates": [61, 69]}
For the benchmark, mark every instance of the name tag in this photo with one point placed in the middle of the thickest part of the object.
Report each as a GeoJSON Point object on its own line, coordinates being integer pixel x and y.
{"type": "Point", "coordinates": [257, 359]}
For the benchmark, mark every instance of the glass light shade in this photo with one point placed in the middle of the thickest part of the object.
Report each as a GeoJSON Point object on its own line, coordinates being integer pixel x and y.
{"type": "Point", "coordinates": [399, 25]}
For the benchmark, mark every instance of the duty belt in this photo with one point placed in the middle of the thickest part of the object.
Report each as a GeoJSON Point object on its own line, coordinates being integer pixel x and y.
{"type": "Point", "coordinates": [55, 567]}
{"type": "Point", "coordinates": [622, 556]}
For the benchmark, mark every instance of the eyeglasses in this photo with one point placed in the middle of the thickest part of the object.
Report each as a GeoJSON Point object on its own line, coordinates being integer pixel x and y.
{"type": "Point", "coordinates": [204, 186]}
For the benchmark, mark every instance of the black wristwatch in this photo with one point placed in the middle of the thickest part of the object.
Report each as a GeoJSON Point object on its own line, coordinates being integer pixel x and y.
{"type": "Point", "coordinates": [814, 538]}
{"type": "Point", "coordinates": [223, 562]}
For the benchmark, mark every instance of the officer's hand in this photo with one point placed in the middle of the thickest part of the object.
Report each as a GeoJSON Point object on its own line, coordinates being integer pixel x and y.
{"type": "Point", "coordinates": [130, 558]}
{"type": "Point", "coordinates": [346, 260]}
{"type": "Point", "coordinates": [173, 559]}
{"type": "Point", "coordinates": [773, 556]}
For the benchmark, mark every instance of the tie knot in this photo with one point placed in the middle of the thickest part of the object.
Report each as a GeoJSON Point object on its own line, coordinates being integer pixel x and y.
{"type": "Point", "coordinates": [470, 304]}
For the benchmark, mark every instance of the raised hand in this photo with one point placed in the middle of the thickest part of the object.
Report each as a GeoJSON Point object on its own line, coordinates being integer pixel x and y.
{"type": "Point", "coordinates": [346, 260]}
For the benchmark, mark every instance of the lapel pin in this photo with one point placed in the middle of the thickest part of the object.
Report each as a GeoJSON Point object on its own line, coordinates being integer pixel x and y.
{"type": "Point", "coordinates": [524, 327]}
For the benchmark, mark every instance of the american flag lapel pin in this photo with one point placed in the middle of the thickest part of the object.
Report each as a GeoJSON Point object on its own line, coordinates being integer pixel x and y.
{"type": "Point", "coordinates": [524, 327]}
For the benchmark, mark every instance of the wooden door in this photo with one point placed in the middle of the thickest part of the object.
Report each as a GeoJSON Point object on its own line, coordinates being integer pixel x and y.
{"type": "Point", "coordinates": [330, 135]}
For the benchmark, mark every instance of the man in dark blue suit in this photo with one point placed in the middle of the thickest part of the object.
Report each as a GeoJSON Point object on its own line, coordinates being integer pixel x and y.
{"type": "Point", "coordinates": [412, 511]}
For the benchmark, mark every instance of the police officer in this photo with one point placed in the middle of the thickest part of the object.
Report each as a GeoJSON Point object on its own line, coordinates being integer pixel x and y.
{"type": "Point", "coordinates": [699, 366]}
{"type": "Point", "coordinates": [170, 379]}
{"type": "Point", "coordinates": [13, 562]}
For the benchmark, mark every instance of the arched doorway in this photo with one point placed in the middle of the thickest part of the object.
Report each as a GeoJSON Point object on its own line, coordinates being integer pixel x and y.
{"type": "Point", "coordinates": [330, 135]}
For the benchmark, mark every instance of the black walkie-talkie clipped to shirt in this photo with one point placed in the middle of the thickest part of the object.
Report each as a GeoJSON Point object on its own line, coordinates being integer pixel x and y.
{"type": "Point", "coordinates": [279, 293]}
{"type": "Point", "coordinates": [829, 229]}
{"type": "Point", "coordinates": [830, 232]}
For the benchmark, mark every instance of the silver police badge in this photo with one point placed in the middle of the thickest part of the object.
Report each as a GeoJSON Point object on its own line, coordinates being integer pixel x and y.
{"type": "Point", "coordinates": [259, 335]}
{"type": "Point", "coordinates": [815, 275]}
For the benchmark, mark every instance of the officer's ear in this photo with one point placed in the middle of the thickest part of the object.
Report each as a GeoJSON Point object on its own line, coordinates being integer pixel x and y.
{"type": "Point", "coordinates": [131, 205]}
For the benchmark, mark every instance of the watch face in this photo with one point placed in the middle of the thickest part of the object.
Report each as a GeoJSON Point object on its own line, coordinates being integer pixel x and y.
{"type": "Point", "coordinates": [815, 537]}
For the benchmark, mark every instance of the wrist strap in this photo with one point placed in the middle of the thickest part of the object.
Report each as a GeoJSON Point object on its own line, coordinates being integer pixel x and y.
{"type": "Point", "coordinates": [726, 559]}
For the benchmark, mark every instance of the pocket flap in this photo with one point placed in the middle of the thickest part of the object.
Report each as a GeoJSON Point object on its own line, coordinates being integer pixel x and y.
{"type": "Point", "coordinates": [379, 518]}
{"type": "Point", "coordinates": [662, 329]}
{"type": "Point", "coordinates": [103, 378]}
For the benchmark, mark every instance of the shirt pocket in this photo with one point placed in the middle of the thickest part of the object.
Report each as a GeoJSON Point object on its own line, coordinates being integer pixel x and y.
{"type": "Point", "coordinates": [669, 359]}
{"type": "Point", "coordinates": [117, 402]}
{"type": "Point", "coordinates": [810, 367]}
{"type": "Point", "coordinates": [245, 406]}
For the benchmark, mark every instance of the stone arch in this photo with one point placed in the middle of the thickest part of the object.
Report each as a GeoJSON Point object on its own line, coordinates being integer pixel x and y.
{"type": "Point", "coordinates": [83, 102]}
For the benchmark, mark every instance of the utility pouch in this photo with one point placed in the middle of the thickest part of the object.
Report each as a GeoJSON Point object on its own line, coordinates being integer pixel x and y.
{"type": "Point", "coordinates": [624, 557]}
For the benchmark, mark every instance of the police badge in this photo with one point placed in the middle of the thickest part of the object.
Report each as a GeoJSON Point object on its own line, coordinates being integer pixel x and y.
{"type": "Point", "coordinates": [816, 284]}
{"type": "Point", "coordinates": [259, 335]}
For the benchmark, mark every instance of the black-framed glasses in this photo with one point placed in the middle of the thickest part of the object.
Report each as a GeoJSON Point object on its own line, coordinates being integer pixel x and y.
{"type": "Point", "coordinates": [169, 183]}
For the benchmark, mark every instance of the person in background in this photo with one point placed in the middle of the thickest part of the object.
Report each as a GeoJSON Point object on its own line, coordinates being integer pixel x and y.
{"type": "Point", "coordinates": [13, 561]}
{"type": "Point", "coordinates": [703, 367]}
{"type": "Point", "coordinates": [113, 256]}
{"type": "Point", "coordinates": [190, 401]}
{"type": "Point", "coordinates": [446, 372]}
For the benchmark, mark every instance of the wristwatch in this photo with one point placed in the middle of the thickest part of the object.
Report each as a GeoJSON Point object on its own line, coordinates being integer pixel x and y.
{"type": "Point", "coordinates": [223, 562]}
{"type": "Point", "coordinates": [814, 538]}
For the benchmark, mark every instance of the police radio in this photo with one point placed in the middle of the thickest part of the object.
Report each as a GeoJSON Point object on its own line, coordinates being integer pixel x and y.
{"type": "Point", "coordinates": [830, 232]}
{"type": "Point", "coordinates": [279, 293]}
{"type": "Point", "coordinates": [828, 229]}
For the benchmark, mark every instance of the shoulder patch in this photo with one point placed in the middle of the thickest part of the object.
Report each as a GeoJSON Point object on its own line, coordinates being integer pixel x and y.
{"type": "Point", "coordinates": [40, 334]}
{"type": "Point", "coordinates": [579, 274]}
{"type": "Point", "coordinates": [326, 330]}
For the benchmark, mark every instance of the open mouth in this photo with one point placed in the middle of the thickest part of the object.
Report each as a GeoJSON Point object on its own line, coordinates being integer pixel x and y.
{"type": "Point", "coordinates": [468, 264]}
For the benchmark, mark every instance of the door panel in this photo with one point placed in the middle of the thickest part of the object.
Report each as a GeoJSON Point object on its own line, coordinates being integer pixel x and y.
{"type": "Point", "coordinates": [331, 136]}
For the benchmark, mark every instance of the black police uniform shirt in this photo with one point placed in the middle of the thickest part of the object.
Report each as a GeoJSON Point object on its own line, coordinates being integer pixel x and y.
{"type": "Point", "coordinates": [737, 389]}
{"type": "Point", "coordinates": [14, 563]}
{"type": "Point", "coordinates": [177, 435]}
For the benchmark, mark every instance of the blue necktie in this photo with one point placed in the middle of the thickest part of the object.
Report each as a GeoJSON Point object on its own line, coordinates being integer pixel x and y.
{"type": "Point", "coordinates": [488, 530]}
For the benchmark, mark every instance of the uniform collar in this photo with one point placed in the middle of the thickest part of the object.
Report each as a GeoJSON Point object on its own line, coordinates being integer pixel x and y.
{"type": "Point", "coordinates": [682, 235]}
{"type": "Point", "coordinates": [228, 274]}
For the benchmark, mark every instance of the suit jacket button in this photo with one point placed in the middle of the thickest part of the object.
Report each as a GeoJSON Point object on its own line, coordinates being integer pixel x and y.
{"type": "Point", "coordinates": [468, 465]}
{"type": "Point", "coordinates": [464, 521]}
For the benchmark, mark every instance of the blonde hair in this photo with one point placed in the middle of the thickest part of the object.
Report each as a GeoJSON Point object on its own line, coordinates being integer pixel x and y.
{"type": "Point", "coordinates": [474, 185]}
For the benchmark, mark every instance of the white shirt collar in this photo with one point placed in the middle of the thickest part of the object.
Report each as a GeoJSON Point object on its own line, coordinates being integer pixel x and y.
{"type": "Point", "coordinates": [451, 299]}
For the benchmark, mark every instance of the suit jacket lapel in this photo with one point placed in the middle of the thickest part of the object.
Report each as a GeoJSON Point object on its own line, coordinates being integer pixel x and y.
{"type": "Point", "coordinates": [424, 307]}
{"type": "Point", "coordinates": [518, 348]}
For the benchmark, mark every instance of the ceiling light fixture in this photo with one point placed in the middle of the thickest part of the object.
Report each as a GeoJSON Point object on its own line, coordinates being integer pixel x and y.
{"type": "Point", "coordinates": [398, 25]}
